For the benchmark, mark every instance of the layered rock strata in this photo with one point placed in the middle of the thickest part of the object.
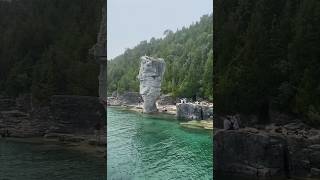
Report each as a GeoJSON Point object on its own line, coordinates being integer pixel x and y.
{"type": "Point", "coordinates": [291, 150]}
{"type": "Point", "coordinates": [76, 114]}
{"type": "Point", "coordinates": [66, 114]}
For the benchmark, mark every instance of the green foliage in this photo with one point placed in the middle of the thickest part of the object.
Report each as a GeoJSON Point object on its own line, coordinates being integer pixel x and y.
{"type": "Point", "coordinates": [44, 47]}
{"type": "Point", "coordinates": [188, 56]}
{"type": "Point", "coordinates": [267, 57]}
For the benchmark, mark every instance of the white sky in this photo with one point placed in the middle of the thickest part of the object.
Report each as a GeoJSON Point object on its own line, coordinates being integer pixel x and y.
{"type": "Point", "coordinates": [132, 21]}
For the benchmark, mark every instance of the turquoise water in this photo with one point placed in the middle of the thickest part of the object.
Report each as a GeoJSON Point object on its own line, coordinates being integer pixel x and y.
{"type": "Point", "coordinates": [25, 161]}
{"type": "Point", "coordinates": [145, 147]}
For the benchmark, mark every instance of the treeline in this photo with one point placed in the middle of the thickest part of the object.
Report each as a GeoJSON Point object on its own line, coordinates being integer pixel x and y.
{"type": "Point", "coordinates": [267, 57]}
{"type": "Point", "coordinates": [189, 59]}
{"type": "Point", "coordinates": [44, 47]}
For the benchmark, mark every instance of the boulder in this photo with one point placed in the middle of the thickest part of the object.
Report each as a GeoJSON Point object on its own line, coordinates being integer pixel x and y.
{"type": "Point", "coordinates": [167, 100]}
{"type": "Point", "coordinates": [130, 98]}
{"type": "Point", "coordinates": [250, 153]}
{"type": "Point", "coordinates": [150, 77]}
{"type": "Point", "coordinates": [288, 150]}
{"type": "Point", "coordinates": [193, 111]}
{"type": "Point", "coordinates": [113, 101]}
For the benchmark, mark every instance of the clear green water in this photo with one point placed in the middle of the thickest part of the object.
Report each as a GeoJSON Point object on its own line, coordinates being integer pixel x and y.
{"type": "Point", "coordinates": [25, 161]}
{"type": "Point", "coordinates": [145, 147]}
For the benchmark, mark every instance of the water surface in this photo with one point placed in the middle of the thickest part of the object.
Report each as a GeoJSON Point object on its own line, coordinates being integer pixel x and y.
{"type": "Point", "coordinates": [26, 161]}
{"type": "Point", "coordinates": [146, 147]}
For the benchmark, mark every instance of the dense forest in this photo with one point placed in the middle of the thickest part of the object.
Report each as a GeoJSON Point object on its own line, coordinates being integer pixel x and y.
{"type": "Point", "coordinates": [188, 56]}
{"type": "Point", "coordinates": [44, 47]}
{"type": "Point", "coordinates": [267, 57]}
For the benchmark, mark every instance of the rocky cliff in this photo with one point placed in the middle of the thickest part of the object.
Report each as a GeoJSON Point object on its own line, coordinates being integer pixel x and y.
{"type": "Point", "coordinates": [150, 77]}
{"type": "Point", "coordinates": [291, 150]}
{"type": "Point", "coordinates": [66, 114]}
{"type": "Point", "coordinates": [76, 114]}
{"type": "Point", "coordinates": [99, 51]}
{"type": "Point", "coordinates": [19, 120]}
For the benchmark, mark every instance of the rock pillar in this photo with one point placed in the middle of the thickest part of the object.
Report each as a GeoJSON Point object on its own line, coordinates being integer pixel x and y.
{"type": "Point", "coordinates": [150, 77]}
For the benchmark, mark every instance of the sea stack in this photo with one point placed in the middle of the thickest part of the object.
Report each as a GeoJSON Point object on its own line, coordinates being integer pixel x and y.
{"type": "Point", "coordinates": [150, 77]}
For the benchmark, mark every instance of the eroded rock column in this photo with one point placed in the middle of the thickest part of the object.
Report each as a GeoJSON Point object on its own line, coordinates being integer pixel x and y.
{"type": "Point", "coordinates": [150, 77]}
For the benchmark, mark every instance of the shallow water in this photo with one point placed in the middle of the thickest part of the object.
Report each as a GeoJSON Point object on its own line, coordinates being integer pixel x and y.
{"type": "Point", "coordinates": [24, 161]}
{"type": "Point", "coordinates": [147, 147]}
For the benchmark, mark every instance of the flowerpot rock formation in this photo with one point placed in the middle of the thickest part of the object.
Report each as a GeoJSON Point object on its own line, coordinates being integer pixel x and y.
{"type": "Point", "coordinates": [150, 77]}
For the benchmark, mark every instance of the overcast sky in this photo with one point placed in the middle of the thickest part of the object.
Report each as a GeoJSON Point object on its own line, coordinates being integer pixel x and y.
{"type": "Point", "coordinates": [132, 21]}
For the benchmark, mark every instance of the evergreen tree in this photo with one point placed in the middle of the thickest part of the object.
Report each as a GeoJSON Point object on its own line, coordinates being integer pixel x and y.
{"type": "Point", "coordinates": [188, 56]}
{"type": "Point", "coordinates": [267, 57]}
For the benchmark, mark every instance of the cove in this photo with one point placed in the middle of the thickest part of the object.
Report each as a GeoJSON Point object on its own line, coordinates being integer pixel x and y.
{"type": "Point", "coordinates": [142, 146]}
{"type": "Point", "coordinates": [22, 161]}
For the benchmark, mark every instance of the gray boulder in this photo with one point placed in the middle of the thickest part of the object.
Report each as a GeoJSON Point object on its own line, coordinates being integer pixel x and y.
{"type": "Point", "coordinates": [276, 151]}
{"type": "Point", "coordinates": [250, 153]}
{"type": "Point", "coordinates": [167, 100]}
{"type": "Point", "coordinates": [193, 111]}
{"type": "Point", "coordinates": [130, 98]}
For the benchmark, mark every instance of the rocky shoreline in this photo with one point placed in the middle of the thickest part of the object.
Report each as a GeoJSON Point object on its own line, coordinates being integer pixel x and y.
{"type": "Point", "coordinates": [288, 150]}
{"type": "Point", "coordinates": [192, 115]}
{"type": "Point", "coordinates": [71, 121]}
{"type": "Point", "coordinates": [87, 146]}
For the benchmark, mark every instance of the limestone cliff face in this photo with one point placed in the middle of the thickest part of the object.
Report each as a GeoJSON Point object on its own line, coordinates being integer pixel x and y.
{"type": "Point", "coordinates": [99, 50]}
{"type": "Point", "coordinates": [100, 46]}
{"type": "Point", "coordinates": [66, 114]}
{"type": "Point", "coordinates": [76, 114]}
{"type": "Point", "coordinates": [276, 151]}
{"type": "Point", "coordinates": [150, 77]}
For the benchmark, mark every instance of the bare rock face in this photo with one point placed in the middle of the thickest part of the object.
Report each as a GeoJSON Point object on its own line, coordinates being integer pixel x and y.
{"type": "Point", "coordinates": [130, 98]}
{"type": "Point", "coordinates": [292, 150]}
{"type": "Point", "coordinates": [150, 76]}
{"type": "Point", "coordinates": [248, 153]}
{"type": "Point", "coordinates": [193, 111]}
{"type": "Point", "coordinates": [76, 114]}
{"type": "Point", "coordinates": [99, 51]}
{"type": "Point", "coordinates": [167, 100]}
{"type": "Point", "coordinates": [79, 115]}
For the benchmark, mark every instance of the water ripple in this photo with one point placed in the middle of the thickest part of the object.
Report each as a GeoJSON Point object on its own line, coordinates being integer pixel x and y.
{"type": "Point", "coordinates": [146, 147]}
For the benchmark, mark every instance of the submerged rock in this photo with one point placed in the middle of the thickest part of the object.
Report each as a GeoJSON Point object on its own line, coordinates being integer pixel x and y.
{"type": "Point", "coordinates": [150, 77]}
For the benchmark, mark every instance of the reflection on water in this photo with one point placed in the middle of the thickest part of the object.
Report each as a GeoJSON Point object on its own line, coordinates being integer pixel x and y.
{"type": "Point", "coordinates": [24, 161]}
{"type": "Point", "coordinates": [147, 147]}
